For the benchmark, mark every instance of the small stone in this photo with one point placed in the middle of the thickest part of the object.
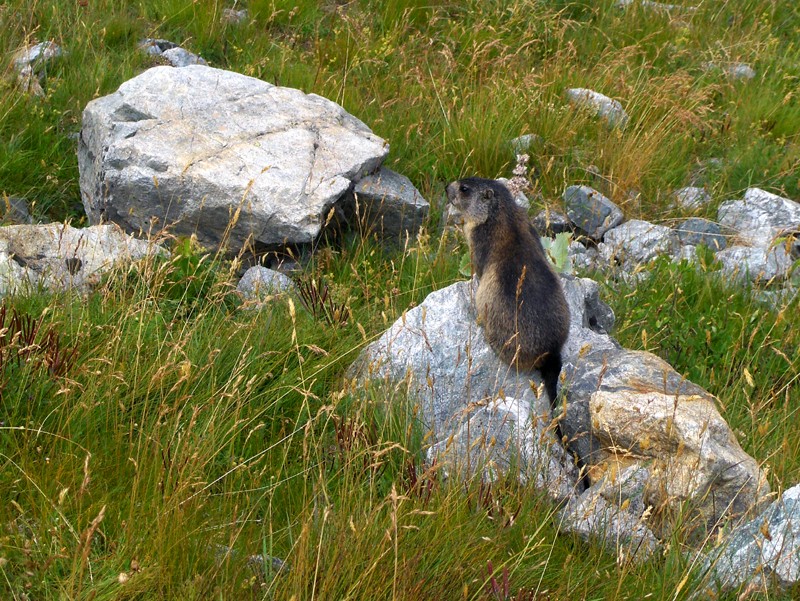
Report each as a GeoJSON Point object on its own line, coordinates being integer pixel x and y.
{"type": "Point", "coordinates": [601, 105]}
{"type": "Point", "coordinates": [692, 197]}
{"type": "Point", "coordinates": [740, 71]}
{"type": "Point", "coordinates": [14, 210]}
{"type": "Point", "coordinates": [525, 143]}
{"type": "Point", "coordinates": [233, 16]}
{"type": "Point", "coordinates": [696, 231]}
{"type": "Point", "coordinates": [36, 54]}
{"type": "Point", "coordinates": [259, 282]}
{"type": "Point", "coordinates": [591, 211]}
{"type": "Point", "coordinates": [179, 57]}
{"type": "Point", "coordinates": [551, 222]}
{"type": "Point", "coordinates": [518, 195]}
{"type": "Point", "coordinates": [155, 46]}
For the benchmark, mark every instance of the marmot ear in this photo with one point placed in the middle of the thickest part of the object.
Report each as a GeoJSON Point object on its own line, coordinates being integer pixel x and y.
{"type": "Point", "coordinates": [488, 194]}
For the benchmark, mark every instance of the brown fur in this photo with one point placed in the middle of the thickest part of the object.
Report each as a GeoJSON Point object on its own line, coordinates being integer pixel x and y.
{"type": "Point", "coordinates": [520, 303]}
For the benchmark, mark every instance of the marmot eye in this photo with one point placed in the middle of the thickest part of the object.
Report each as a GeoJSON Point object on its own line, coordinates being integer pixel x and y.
{"type": "Point", "coordinates": [463, 189]}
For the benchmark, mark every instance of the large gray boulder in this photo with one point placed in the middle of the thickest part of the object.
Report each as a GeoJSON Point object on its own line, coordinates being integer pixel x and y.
{"type": "Point", "coordinates": [482, 414]}
{"type": "Point", "coordinates": [755, 263]}
{"type": "Point", "coordinates": [629, 409]}
{"type": "Point", "coordinates": [57, 256]}
{"type": "Point", "coordinates": [227, 157]}
{"type": "Point", "coordinates": [760, 552]}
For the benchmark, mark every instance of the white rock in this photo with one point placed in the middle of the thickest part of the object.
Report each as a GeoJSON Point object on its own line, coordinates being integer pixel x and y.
{"type": "Point", "coordinates": [692, 198]}
{"type": "Point", "coordinates": [601, 105]}
{"type": "Point", "coordinates": [180, 57]}
{"type": "Point", "coordinates": [36, 54]}
{"type": "Point", "coordinates": [637, 242]}
{"type": "Point", "coordinates": [760, 217]}
{"type": "Point", "coordinates": [60, 257]}
{"type": "Point", "coordinates": [259, 282]}
{"type": "Point", "coordinates": [217, 154]}
{"type": "Point", "coordinates": [755, 263]}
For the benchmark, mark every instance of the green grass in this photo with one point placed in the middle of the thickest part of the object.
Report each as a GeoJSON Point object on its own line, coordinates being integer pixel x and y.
{"type": "Point", "coordinates": [179, 420]}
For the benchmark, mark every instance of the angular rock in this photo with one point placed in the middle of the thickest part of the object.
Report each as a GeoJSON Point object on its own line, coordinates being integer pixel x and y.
{"type": "Point", "coordinates": [227, 157]}
{"type": "Point", "coordinates": [756, 264]}
{"type": "Point", "coordinates": [591, 319]}
{"type": "Point", "coordinates": [631, 409]}
{"type": "Point", "coordinates": [762, 551]}
{"type": "Point", "coordinates": [516, 193]}
{"type": "Point", "coordinates": [437, 353]}
{"type": "Point", "coordinates": [550, 222]}
{"type": "Point", "coordinates": [692, 198]}
{"type": "Point", "coordinates": [619, 531]}
{"type": "Point", "coordinates": [636, 242]}
{"type": "Point", "coordinates": [591, 211]}
{"type": "Point", "coordinates": [60, 257]}
{"type": "Point", "coordinates": [600, 105]}
{"type": "Point", "coordinates": [760, 217]}
{"type": "Point", "coordinates": [696, 231]}
{"type": "Point", "coordinates": [389, 203]}
{"type": "Point", "coordinates": [259, 282]}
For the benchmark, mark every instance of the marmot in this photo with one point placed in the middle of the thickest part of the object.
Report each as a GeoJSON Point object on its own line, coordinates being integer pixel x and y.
{"type": "Point", "coordinates": [520, 302]}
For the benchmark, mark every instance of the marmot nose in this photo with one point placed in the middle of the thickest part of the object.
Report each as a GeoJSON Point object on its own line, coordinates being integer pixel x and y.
{"type": "Point", "coordinates": [451, 191]}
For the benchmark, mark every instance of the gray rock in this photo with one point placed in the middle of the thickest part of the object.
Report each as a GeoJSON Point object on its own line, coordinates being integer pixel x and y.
{"type": "Point", "coordinates": [389, 203]}
{"type": "Point", "coordinates": [227, 157]}
{"type": "Point", "coordinates": [583, 258]}
{"type": "Point", "coordinates": [732, 70]}
{"type": "Point", "coordinates": [259, 282]}
{"type": "Point", "coordinates": [636, 243]}
{"type": "Point", "coordinates": [496, 437]}
{"type": "Point", "coordinates": [696, 231]}
{"type": "Point", "coordinates": [180, 57]}
{"type": "Point", "coordinates": [591, 211]}
{"type": "Point", "coordinates": [755, 264]}
{"type": "Point", "coordinates": [760, 217]}
{"type": "Point", "coordinates": [233, 16]}
{"type": "Point", "coordinates": [740, 71]}
{"type": "Point", "coordinates": [657, 6]}
{"type": "Point", "coordinates": [60, 257]}
{"type": "Point", "coordinates": [692, 198]}
{"type": "Point", "coordinates": [14, 211]}
{"type": "Point", "coordinates": [518, 196]}
{"type": "Point", "coordinates": [438, 354]}
{"type": "Point", "coordinates": [764, 550]}
{"type": "Point", "coordinates": [36, 55]}
{"type": "Point", "coordinates": [551, 222]}
{"type": "Point", "coordinates": [629, 409]}
{"type": "Point", "coordinates": [618, 530]}
{"type": "Point", "coordinates": [156, 46]}
{"type": "Point", "coordinates": [600, 105]}
{"type": "Point", "coordinates": [591, 320]}
{"type": "Point", "coordinates": [525, 143]}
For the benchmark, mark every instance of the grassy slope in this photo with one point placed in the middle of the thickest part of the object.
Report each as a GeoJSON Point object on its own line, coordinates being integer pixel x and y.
{"type": "Point", "coordinates": [186, 423]}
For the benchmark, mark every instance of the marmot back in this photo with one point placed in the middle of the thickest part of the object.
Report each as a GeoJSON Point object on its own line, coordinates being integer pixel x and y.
{"type": "Point", "coordinates": [520, 302]}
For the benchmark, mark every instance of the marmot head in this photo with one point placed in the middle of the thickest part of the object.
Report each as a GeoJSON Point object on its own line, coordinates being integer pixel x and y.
{"type": "Point", "coordinates": [475, 198]}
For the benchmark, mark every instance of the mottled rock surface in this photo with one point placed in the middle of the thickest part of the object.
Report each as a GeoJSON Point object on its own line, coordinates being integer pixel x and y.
{"type": "Point", "coordinates": [760, 217]}
{"type": "Point", "coordinates": [629, 408]}
{"type": "Point", "coordinates": [755, 263]}
{"type": "Point", "coordinates": [636, 242]}
{"type": "Point", "coordinates": [761, 552]}
{"type": "Point", "coordinates": [227, 157]}
{"type": "Point", "coordinates": [59, 257]}
{"type": "Point", "coordinates": [692, 197]}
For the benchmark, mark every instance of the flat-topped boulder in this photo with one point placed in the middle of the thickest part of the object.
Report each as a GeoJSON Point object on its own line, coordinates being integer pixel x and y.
{"type": "Point", "coordinates": [226, 157]}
